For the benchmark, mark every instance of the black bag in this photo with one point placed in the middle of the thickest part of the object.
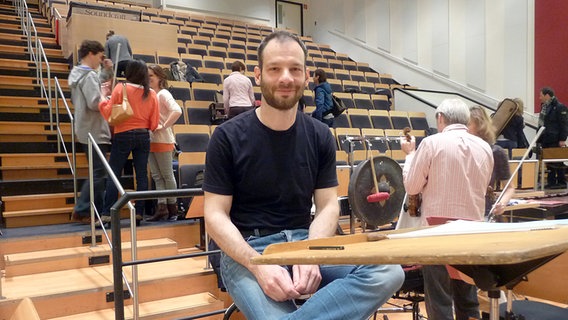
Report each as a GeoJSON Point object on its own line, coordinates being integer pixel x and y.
{"type": "Point", "coordinates": [522, 141]}
{"type": "Point", "coordinates": [338, 106]}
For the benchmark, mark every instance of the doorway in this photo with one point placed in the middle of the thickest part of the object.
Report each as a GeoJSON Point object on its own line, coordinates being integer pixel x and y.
{"type": "Point", "coordinates": [289, 15]}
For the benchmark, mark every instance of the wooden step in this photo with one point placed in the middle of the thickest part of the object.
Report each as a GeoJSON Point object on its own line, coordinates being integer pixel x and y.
{"type": "Point", "coordinates": [33, 103]}
{"type": "Point", "coordinates": [17, 128]}
{"type": "Point", "coordinates": [62, 293]}
{"type": "Point", "coordinates": [37, 201]}
{"type": "Point", "coordinates": [19, 264]}
{"type": "Point", "coordinates": [26, 160]}
{"type": "Point", "coordinates": [17, 64]}
{"type": "Point", "coordinates": [44, 217]}
{"type": "Point", "coordinates": [183, 306]}
{"type": "Point", "coordinates": [186, 235]}
{"type": "Point", "coordinates": [11, 26]}
{"type": "Point", "coordinates": [20, 82]}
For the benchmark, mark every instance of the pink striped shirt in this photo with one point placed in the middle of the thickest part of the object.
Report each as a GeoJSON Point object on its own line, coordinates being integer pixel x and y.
{"type": "Point", "coordinates": [452, 170]}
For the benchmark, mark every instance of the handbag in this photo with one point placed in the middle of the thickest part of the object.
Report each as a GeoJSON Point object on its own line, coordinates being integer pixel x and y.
{"type": "Point", "coordinates": [122, 111]}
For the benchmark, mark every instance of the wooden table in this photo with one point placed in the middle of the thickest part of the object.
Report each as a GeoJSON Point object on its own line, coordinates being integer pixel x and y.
{"type": "Point", "coordinates": [492, 260]}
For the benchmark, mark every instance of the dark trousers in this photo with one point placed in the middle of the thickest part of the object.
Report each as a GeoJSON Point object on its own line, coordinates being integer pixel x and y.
{"type": "Point", "coordinates": [121, 68]}
{"type": "Point", "coordinates": [83, 205]}
{"type": "Point", "coordinates": [138, 142]}
{"type": "Point", "coordinates": [441, 293]}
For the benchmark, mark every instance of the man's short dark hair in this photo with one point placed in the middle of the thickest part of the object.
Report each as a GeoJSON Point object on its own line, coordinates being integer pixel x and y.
{"type": "Point", "coordinates": [547, 91]}
{"type": "Point", "coordinates": [281, 36]}
{"type": "Point", "coordinates": [237, 66]}
{"type": "Point", "coordinates": [88, 46]}
{"type": "Point", "coordinates": [322, 77]}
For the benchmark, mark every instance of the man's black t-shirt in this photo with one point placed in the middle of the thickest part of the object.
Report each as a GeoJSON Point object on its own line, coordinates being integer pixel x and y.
{"type": "Point", "coordinates": [270, 174]}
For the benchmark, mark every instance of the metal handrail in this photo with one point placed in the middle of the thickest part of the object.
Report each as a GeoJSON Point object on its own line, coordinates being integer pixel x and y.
{"type": "Point", "coordinates": [39, 66]}
{"type": "Point", "coordinates": [134, 289]}
{"type": "Point", "coordinates": [60, 141]}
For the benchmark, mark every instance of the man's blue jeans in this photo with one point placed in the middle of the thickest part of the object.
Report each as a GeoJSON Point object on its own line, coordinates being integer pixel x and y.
{"type": "Point", "coordinates": [346, 291]}
{"type": "Point", "coordinates": [138, 142]}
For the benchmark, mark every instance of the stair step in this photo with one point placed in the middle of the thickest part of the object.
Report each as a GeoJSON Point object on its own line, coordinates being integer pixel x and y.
{"type": "Point", "coordinates": [37, 201]}
{"type": "Point", "coordinates": [27, 103]}
{"type": "Point", "coordinates": [171, 308]}
{"type": "Point", "coordinates": [25, 65]}
{"type": "Point", "coordinates": [19, 264]}
{"type": "Point", "coordinates": [15, 128]}
{"type": "Point", "coordinates": [38, 160]}
{"type": "Point", "coordinates": [69, 292]}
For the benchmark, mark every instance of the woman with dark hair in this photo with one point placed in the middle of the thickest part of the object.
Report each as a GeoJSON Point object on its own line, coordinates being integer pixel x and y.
{"type": "Point", "coordinates": [162, 144]}
{"type": "Point", "coordinates": [132, 135]}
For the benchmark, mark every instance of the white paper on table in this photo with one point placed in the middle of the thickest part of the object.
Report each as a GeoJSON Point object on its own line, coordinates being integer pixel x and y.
{"type": "Point", "coordinates": [471, 227]}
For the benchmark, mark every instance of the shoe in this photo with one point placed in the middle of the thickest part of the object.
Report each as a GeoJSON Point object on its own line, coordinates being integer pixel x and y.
{"type": "Point", "coordinates": [75, 217]}
{"type": "Point", "coordinates": [105, 220]}
{"type": "Point", "coordinates": [161, 213]}
{"type": "Point", "coordinates": [172, 211]}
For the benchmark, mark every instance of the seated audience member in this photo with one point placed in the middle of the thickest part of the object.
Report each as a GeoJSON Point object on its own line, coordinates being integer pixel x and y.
{"type": "Point", "coordinates": [262, 170]}
{"type": "Point", "coordinates": [238, 95]}
{"type": "Point", "coordinates": [322, 98]}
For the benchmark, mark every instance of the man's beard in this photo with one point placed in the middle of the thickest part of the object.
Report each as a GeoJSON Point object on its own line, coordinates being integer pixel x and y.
{"type": "Point", "coordinates": [280, 103]}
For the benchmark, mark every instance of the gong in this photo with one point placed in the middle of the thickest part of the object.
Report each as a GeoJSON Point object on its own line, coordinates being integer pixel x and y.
{"type": "Point", "coordinates": [361, 185]}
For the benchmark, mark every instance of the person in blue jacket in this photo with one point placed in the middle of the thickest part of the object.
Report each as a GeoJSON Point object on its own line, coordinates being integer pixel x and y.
{"type": "Point", "coordinates": [322, 98]}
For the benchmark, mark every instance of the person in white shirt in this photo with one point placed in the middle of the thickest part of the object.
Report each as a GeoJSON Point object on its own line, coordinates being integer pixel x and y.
{"type": "Point", "coordinates": [238, 95]}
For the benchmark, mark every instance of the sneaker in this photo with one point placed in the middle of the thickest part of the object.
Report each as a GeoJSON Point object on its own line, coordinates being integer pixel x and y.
{"type": "Point", "coordinates": [105, 220]}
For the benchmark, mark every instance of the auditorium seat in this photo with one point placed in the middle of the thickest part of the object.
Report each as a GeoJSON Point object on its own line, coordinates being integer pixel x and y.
{"type": "Point", "coordinates": [198, 112]}
{"type": "Point", "coordinates": [358, 76]}
{"type": "Point", "coordinates": [309, 98]}
{"type": "Point", "coordinates": [341, 158]}
{"type": "Point", "coordinates": [201, 40]}
{"type": "Point", "coordinates": [418, 120]}
{"type": "Point", "coordinates": [219, 42]}
{"type": "Point", "coordinates": [367, 87]}
{"type": "Point", "coordinates": [380, 102]}
{"type": "Point", "coordinates": [222, 34]}
{"type": "Point", "coordinates": [372, 77]}
{"type": "Point", "coordinates": [359, 118]}
{"type": "Point", "coordinates": [342, 74]}
{"type": "Point", "coordinates": [191, 31]}
{"type": "Point", "coordinates": [183, 117]}
{"type": "Point", "coordinates": [350, 65]}
{"type": "Point", "coordinates": [250, 65]}
{"type": "Point", "coordinates": [145, 55]}
{"type": "Point", "coordinates": [320, 62]}
{"type": "Point", "coordinates": [204, 91]}
{"type": "Point", "coordinates": [215, 51]}
{"type": "Point", "coordinates": [393, 138]}
{"type": "Point", "coordinates": [251, 54]}
{"type": "Point", "coordinates": [180, 90]}
{"type": "Point", "coordinates": [210, 75]}
{"type": "Point", "coordinates": [239, 36]}
{"type": "Point", "coordinates": [235, 53]}
{"type": "Point", "coordinates": [362, 101]}
{"type": "Point", "coordinates": [194, 60]}
{"type": "Point", "coordinates": [195, 48]}
{"type": "Point", "coordinates": [351, 86]}
{"type": "Point", "coordinates": [399, 119]}
{"type": "Point", "coordinates": [347, 99]}
{"type": "Point", "coordinates": [386, 78]}
{"type": "Point", "coordinates": [345, 144]}
{"type": "Point", "coordinates": [377, 139]}
{"type": "Point", "coordinates": [380, 119]}
{"type": "Point", "coordinates": [184, 38]}
{"type": "Point", "coordinates": [335, 84]}
{"type": "Point", "coordinates": [313, 51]}
{"type": "Point", "coordinates": [236, 44]}
{"type": "Point", "coordinates": [335, 63]}
{"type": "Point", "coordinates": [213, 62]}
{"type": "Point", "coordinates": [363, 67]}
{"type": "Point", "coordinates": [341, 121]}
{"type": "Point", "coordinates": [167, 57]}
{"type": "Point", "coordinates": [191, 138]}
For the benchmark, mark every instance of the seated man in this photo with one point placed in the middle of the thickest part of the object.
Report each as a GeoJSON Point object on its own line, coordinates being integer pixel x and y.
{"type": "Point", "coordinates": [262, 170]}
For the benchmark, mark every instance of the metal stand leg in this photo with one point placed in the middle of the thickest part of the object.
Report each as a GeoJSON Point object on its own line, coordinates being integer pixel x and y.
{"type": "Point", "coordinates": [494, 304]}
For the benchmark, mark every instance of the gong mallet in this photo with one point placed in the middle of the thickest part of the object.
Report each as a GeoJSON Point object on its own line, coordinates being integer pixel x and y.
{"type": "Point", "coordinates": [379, 195]}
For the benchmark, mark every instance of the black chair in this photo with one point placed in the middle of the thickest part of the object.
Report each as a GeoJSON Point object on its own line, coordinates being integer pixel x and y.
{"type": "Point", "coordinates": [192, 142]}
{"type": "Point", "coordinates": [359, 118]}
{"type": "Point", "coordinates": [341, 121]}
{"type": "Point", "coordinates": [380, 119]}
{"type": "Point", "coordinates": [197, 115]}
{"type": "Point", "coordinates": [418, 121]}
{"type": "Point", "coordinates": [180, 93]}
{"type": "Point", "coordinates": [399, 119]}
{"type": "Point", "coordinates": [146, 57]}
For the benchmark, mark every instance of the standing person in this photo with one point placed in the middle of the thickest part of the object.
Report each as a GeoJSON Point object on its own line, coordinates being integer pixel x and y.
{"type": "Point", "coordinates": [132, 135]}
{"type": "Point", "coordinates": [124, 55]}
{"type": "Point", "coordinates": [162, 144]}
{"type": "Point", "coordinates": [238, 95]}
{"type": "Point", "coordinates": [512, 135]}
{"type": "Point", "coordinates": [553, 116]}
{"type": "Point", "coordinates": [86, 93]}
{"type": "Point", "coordinates": [322, 98]}
{"type": "Point", "coordinates": [261, 172]}
{"type": "Point", "coordinates": [480, 125]}
{"type": "Point", "coordinates": [468, 160]}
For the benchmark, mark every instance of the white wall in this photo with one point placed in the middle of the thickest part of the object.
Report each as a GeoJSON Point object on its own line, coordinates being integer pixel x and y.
{"type": "Point", "coordinates": [480, 48]}
{"type": "Point", "coordinates": [256, 11]}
